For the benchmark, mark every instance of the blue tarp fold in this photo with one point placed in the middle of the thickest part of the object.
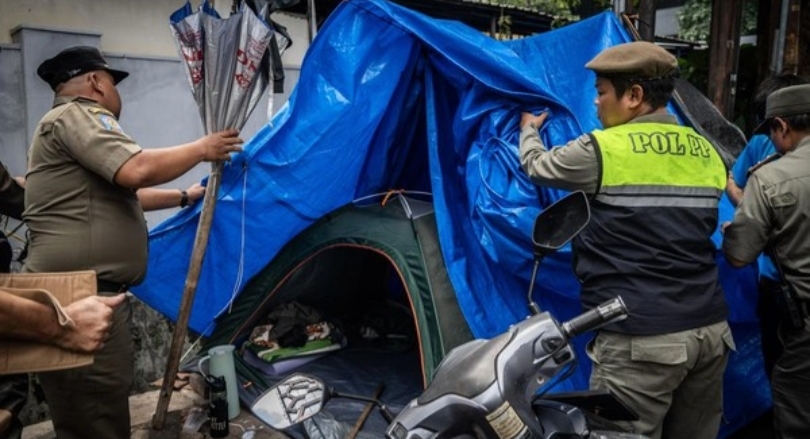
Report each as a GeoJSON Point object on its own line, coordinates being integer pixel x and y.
{"type": "Point", "coordinates": [390, 99]}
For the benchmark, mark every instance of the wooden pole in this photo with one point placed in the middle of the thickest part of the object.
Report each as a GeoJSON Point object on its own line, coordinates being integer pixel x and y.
{"type": "Point", "coordinates": [189, 290]}
{"type": "Point", "coordinates": [366, 411]}
{"type": "Point", "coordinates": [628, 24]}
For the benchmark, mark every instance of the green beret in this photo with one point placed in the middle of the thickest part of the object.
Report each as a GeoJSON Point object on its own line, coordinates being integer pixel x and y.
{"type": "Point", "coordinates": [788, 101]}
{"type": "Point", "coordinates": [638, 60]}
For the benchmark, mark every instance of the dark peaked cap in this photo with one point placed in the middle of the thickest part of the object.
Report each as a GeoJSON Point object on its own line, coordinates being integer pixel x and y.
{"type": "Point", "coordinates": [639, 59]}
{"type": "Point", "coordinates": [73, 62]}
{"type": "Point", "coordinates": [788, 101]}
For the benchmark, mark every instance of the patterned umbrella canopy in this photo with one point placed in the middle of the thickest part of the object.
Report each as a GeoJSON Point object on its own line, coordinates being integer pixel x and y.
{"type": "Point", "coordinates": [225, 62]}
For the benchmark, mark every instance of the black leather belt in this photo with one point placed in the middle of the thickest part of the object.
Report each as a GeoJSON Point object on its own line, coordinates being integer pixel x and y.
{"type": "Point", "coordinates": [107, 286]}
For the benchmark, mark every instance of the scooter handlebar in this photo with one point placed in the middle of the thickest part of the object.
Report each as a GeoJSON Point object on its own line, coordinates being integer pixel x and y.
{"type": "Point", "coordinates": [605, 313]}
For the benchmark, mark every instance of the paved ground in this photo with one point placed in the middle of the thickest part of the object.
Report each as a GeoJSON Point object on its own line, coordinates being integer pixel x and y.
{"type": "Point", "coordinates": [186, 419]}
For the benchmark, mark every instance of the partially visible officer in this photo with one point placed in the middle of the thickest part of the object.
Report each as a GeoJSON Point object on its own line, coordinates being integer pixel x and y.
{"type": "Point", "coordinates": [773, 216]}
{"type": "Point", "coordinates": [757, 152]}
{"type": "Point", "coordinates": [82, 213]}
{"type": "Point", "coordinates": [655, 187]}
{"type": "Point", "coordinates": [13, 388]}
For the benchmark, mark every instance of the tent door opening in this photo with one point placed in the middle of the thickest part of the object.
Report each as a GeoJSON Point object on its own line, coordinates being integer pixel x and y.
{"type": "Point", "coordinates": [360, 292]}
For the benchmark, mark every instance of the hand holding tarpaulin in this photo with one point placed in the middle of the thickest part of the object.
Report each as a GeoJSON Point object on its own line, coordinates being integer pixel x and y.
{"type": "Point", "coordinates": [223, 61]}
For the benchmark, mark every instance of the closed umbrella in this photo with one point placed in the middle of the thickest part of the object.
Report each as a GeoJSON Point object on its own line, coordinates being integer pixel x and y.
{"type": "Point", "coordinates": [223, 63]}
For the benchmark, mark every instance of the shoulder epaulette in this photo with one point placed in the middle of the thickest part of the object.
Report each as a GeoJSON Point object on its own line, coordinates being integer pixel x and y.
{"type": "Point", "coordinates": [763, 162]}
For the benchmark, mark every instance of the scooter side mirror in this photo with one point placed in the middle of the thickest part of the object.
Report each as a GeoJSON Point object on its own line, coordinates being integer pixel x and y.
{"type": "Point", "coordinates": [291, 401]}
{"type": "Point", "coordinates": [553, 228]}
{"type": "Point", "coordinates": [560, 223]}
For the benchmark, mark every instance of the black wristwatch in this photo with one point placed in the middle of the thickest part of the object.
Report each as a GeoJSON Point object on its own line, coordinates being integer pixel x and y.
{"type": "Point", "coordinates": [183, 198]}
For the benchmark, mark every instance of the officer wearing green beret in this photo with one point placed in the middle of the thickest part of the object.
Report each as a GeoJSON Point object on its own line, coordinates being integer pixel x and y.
{"type": "Point", "coordinates": [654, 187]}
{"type": "Point", "coordinates": [82, 212]}
{"type": "Point", "coordinates": [773, 216]}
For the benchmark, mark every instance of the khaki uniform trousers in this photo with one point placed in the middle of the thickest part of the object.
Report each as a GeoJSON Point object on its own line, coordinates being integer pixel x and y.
{"type": "Point", "coordinates": [93, 401]}
{"type": "Point", "coordinates": [791, 384]}
{"type": "Point", "coordinates": [674, 382]}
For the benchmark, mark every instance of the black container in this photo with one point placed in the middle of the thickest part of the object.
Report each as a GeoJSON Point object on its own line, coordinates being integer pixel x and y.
{"type": "Point", "coordinates": [217, 406]}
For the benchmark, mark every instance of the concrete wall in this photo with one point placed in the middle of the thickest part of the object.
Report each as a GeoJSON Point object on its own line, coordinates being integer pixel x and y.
{"type": "Point", "coordinates": [129, 26]}
{"type": "Point", "coordinates": [12, 111]}
{"type": "Point", "coordinates": [158, 108]}
{"type": "Point", "coordinates": [134, 27]}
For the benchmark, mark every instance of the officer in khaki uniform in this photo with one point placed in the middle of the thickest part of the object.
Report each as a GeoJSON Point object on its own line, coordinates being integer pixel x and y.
{"type": "Point", "coordinates": [773, 215]}
{"type": "Point", "coordinates": [82, 212]}
{"type": "Point", "coordinates": [13, 388]}
{"type": "Point", "coordinates": [654, 188]}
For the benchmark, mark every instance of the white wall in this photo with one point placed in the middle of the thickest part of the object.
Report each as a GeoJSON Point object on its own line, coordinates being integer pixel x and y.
{"type": "Point", "coordinates": [137, 27]}
{"type": "Point", "coordinates": [666, 21]}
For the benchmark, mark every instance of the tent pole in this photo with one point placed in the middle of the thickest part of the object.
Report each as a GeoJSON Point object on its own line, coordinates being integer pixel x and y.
{"type": "Point", "coordinates": [189, 289]}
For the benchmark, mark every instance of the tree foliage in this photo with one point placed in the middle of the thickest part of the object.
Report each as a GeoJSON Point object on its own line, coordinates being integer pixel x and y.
{"type": "Point", "coordinates": [695, 19]}
{"type": "Point", "coordinates": [547, 6]}
{"type": "Point", "coordinates": [565, 11]}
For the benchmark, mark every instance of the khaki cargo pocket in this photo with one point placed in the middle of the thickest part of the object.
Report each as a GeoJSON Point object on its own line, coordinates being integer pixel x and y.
{"type": "Point", "coordinates": [589, 350]}
{"type": "Point", "coordinates": [728, 339]}
{"type": "Point", "coordinates": [654, 351]}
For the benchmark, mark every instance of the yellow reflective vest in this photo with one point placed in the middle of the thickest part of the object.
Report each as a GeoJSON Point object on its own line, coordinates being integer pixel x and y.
{"type": "Point", "coordinates": [649, 239]}
{"type": "Point", "coordinates": [658, 164]}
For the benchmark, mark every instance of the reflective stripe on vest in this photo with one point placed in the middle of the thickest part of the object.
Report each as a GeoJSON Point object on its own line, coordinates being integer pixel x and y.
{"type": "Point", "coordinates": [652, 164]}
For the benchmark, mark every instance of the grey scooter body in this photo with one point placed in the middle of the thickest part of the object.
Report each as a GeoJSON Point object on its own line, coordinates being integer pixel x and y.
{"type": "Point", "coordinates": [475, 391]}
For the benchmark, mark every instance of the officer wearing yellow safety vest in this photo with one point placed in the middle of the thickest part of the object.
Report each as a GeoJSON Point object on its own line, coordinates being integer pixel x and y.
{"type": "Point", "coordinates": [654, 187]}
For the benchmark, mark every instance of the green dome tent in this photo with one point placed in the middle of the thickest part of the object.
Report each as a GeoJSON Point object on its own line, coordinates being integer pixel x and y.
{"type": "Point", "coordinates": [353, 259]}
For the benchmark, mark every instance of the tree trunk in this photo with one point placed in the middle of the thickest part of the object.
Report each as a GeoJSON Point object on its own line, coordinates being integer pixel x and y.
{"type": "Point", "coordinates": [767, 22]}
{"type": "Point", "coordinates": [646, 20]}
{"type": "Point", "coordinates": [586, 8]}
{"type": "Point", "coordinates": [724, 49]}
{"type": "Point", "coordinates": [790, 60]}
{"type": "Point", "coordinates": [804, 40]}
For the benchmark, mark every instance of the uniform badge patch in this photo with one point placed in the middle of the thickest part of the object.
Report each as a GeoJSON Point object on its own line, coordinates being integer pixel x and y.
{"type": "Point", "coordinates": [109, 122]}
{"type": "Point", "coordinates": [783, 200]}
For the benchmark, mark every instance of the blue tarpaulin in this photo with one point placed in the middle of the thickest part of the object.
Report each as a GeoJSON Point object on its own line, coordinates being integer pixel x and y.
{"type": "Point", "coordinates": [391, 99]}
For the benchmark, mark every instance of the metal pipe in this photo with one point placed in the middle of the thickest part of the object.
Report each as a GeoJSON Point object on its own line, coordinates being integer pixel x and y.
{"type": "Point", "coordinates": [780, 36]}
{"type": "Point", "coordinates": [312, 20]}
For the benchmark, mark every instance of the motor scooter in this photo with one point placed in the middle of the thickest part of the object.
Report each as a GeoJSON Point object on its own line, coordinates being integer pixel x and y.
{"type": "Point", "coordinates": [488, 388]}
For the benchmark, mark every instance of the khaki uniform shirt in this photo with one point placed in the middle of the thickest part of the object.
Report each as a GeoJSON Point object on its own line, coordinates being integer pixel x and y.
{"type": "Point", "coordinates": [774, 211]}
{"type": "Point", "coordinates": [573, 167]}
{"type": "Point", "coordinates": [77, 216]}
